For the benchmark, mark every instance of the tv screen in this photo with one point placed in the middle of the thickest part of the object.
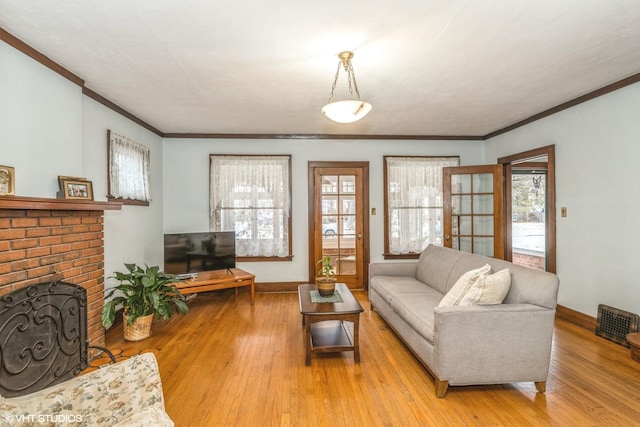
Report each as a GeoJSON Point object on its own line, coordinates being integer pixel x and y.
{"type": "Point", "coordinates": [193, 252]}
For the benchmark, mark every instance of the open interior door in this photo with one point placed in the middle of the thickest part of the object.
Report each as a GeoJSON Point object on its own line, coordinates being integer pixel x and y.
{"type": "Point", "coordinates": [473, 209]}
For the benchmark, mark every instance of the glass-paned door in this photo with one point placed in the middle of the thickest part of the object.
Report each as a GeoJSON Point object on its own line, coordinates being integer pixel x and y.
{"type": "Point", "coordinates": [338, 222]}
{"type": "Point", "coordinates": [473, 210]}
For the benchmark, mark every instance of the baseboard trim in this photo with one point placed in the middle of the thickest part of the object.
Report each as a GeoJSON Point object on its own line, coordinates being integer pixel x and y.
{"type": "Point", "coordinates": [579, 319]}
{"type": "Point", "coordinates": [278, 286]}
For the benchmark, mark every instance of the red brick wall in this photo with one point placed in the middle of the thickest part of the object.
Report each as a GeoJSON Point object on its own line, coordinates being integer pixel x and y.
{"type": "Point", "coordinates": [528, 260]}
{"type": "Point", "coordinates": [46, 245]}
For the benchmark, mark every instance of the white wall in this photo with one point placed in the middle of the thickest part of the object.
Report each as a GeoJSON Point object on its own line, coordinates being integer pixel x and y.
{"type": "Point", "coordinates": [48, 128]}
{"type": "Point", "coordinates": [40, 124]}
{"type": "Point", "coordinates": [597, 146]}
{"type": "Point", "coordinates": [186, 185]}
{"type": "Point", "coordinates": [134, 233]}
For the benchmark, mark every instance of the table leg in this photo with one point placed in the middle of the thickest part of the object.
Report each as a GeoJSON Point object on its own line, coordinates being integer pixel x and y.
{"type": "Point", "coordinates": [307, 340]}
{"type": "Point", "coordinates": [356, 338]}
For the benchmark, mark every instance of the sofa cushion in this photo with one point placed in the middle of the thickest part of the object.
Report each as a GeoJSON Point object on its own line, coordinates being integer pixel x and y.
{"type": "Point", "coordinates": [151, 415]}
{"type": "Point", "coordinates": [494, 287]}
{"type": "Point", "coordinates": [107, 396]}
{"type": "Point", "coordinates": [435, 265]}
{"type": "Point", "coordinates": [418, 310]}
{"type": "Point", "coordinates": [390, 286]}
{"type": "Point", "coordinates": [528, 285]}
{"type": "Point", "coordinates": [463, 291]}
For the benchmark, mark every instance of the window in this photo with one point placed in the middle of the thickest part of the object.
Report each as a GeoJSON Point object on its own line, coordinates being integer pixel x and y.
{"type": "Point", "coordinates": [128, 170]}
{"type": "Point", "coordinates": [251, 195]}
{"type": "Point", "coordinates": [413, 203]}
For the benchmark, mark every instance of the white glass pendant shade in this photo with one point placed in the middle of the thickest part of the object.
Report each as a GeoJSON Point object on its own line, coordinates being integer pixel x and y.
{"type": "Point", "coordinates": [347, 111]}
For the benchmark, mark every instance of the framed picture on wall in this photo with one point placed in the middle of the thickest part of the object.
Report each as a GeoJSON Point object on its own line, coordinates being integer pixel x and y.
{"type": "Point", "coordinates": [7, 181]}
{"type": "Point", "coordinates": [75, 188]}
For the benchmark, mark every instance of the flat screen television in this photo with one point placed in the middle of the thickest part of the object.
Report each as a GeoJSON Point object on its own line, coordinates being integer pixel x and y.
{"type": "Point", "coordinates": [186, 253]}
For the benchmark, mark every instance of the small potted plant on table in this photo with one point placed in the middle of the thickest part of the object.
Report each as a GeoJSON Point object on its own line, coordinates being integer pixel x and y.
{"type": "Point", "coordinates": [145, 292]}
{"type": "Point", "coordinates": [326, 282]}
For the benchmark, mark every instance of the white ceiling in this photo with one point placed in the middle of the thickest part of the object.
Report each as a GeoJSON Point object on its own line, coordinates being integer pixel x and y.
{"type": "Point", "coordinates": [266, 66]}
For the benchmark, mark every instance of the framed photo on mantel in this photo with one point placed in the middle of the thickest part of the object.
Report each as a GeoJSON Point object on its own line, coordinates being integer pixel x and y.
{"type": "Point", "coordinates": [75, 188]}
{"type": "Point", "coordinates": [7, 181]}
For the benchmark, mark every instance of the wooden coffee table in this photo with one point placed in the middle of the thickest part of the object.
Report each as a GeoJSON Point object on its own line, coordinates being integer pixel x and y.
{"type": "Point", "coordinates": [327, 325]}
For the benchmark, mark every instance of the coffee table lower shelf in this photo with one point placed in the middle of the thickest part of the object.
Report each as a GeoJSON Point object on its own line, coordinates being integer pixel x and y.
{"type": "Point", "coordinates": [331, 336]}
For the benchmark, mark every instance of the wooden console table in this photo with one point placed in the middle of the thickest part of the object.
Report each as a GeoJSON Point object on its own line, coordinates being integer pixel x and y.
{"type": "Point", "coordinates": [219, 279]}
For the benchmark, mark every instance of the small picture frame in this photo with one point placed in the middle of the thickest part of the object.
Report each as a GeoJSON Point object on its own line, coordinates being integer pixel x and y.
{"type": "Point", "coordinates": [7, 181]}
{"type": "Point", "coordinates": [75, 188]}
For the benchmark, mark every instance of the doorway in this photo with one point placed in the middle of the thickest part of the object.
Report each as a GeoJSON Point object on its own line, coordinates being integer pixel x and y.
{"type": "Point", "coordinates": [528, 208]}
{"type": "Point", "coordinates": [530, 228]}
{"type": "Point", "coordinates": [338, 220]}
{"type": "Point", "coordinates": [481, 215]}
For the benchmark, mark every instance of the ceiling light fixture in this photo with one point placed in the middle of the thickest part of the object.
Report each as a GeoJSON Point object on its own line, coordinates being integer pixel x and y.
{"type": "Point", "coordinates": [352, 109]}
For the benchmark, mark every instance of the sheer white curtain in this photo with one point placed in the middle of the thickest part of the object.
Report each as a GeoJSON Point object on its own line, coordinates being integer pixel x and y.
{"type": "Point", "coordinates": [414, 197]}
{"type": "Point", "coordinates": [129, 166]}
{"type": "Point", "coordinates": [251, 196]}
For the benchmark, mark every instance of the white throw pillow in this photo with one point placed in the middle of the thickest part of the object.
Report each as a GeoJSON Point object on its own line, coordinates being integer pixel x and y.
{"type": "Point", "coordinates": [494, 287]}
{"type": "Point", "coordinates": [458, 292]}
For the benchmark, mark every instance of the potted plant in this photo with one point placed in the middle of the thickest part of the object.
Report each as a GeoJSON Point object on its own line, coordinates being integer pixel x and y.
{"type": "Point", "coordinates": [145, 292]}
{"type": "Point", "coordinates": [326, 282]}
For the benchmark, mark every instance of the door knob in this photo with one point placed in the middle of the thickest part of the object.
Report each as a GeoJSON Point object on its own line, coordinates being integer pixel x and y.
{"type": "Point", "coordinates": [359, 236]}
{"type": "Point", "coordinates": [447, 237]}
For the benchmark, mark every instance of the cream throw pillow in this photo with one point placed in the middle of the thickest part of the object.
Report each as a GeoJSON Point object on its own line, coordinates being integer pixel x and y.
{"type": "Point", "coordinates": [494, 287]}
{"type": "Point", "coordinates": [460, 294]}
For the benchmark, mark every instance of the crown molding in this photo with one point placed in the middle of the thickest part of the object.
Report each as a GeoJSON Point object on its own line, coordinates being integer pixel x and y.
{"type": "Point", "coordinates": [314, 136]}
{"type": "Point", "coordinates": [104, 101]}
{"type": "Point", "coordinates": [21, 46]}
{"type": "Point", "coordinates": [579, 100]}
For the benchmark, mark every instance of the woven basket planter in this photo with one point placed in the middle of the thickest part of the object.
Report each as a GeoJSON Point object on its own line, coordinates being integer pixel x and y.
{"type": "Point", "coordinates": [139, 329]}
{"type": "Point", "coordinates": [326, 285]}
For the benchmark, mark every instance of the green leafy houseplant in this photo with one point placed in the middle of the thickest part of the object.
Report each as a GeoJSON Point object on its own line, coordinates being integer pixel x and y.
{"type": "Point", "coordinates": [144, 291]}
{"type": "Point", "coordinates": [326, 283]}
{"type": "Point", "coordinates": [326, 269]}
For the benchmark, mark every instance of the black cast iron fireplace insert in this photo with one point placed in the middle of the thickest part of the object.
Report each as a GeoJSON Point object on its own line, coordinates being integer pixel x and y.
{"type": "Point", "coordinates": [43, 337]}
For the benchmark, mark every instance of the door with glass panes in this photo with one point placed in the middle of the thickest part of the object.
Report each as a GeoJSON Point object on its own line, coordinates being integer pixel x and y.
{"type": "Point", "coordinates": [337, 220]}
{"type": "Point", "coordinates": [473, 209]}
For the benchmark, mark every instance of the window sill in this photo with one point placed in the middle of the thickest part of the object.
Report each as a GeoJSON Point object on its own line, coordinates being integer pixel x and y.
{"type": "Point", "coordinates": [401, 256]}
{"type": "Point", "coordinates": [263, 258]}
{"type": "Point", "coordinates": [128, 201]}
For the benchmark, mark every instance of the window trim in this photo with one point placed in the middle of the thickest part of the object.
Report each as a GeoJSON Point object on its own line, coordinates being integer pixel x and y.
{"type": "Point", "coordinates": [387, 227]}
{"type": "Point", "coordinates": [252, 258]}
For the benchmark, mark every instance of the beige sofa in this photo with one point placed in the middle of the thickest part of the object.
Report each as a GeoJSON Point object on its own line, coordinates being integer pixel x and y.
{"type": "Point", "coordinates": [474, 344]}
{"type": "Point", "coordinates": [127, 393]}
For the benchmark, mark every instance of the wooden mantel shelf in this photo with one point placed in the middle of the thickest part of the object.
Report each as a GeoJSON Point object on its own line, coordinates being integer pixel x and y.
{"type": "Point", "coordinates": [41, 203]}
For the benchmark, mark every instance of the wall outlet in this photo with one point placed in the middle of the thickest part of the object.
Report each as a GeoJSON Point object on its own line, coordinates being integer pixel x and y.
{"type": "Point", "coordinates": [563, 212]}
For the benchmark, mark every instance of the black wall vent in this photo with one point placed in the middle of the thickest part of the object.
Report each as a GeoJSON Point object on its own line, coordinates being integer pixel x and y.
{"type": "Point", "coordinates": [614, 324]}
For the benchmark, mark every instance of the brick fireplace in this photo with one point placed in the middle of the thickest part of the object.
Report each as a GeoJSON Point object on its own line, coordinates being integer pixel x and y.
{"type": "Point", "coordinates": [45, 240]}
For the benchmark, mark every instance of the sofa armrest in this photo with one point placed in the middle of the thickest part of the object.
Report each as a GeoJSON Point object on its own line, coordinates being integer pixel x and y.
{"type": "Point", "coordinates": [492, 344]}
{"type": "Point", "coordinates": [107, 396]}
{"type": "Point", "coordinates": [407, 269]}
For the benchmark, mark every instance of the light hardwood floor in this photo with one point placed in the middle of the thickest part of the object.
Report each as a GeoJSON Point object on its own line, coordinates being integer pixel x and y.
{"type": "Point", "coordinates": [228, 363]}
